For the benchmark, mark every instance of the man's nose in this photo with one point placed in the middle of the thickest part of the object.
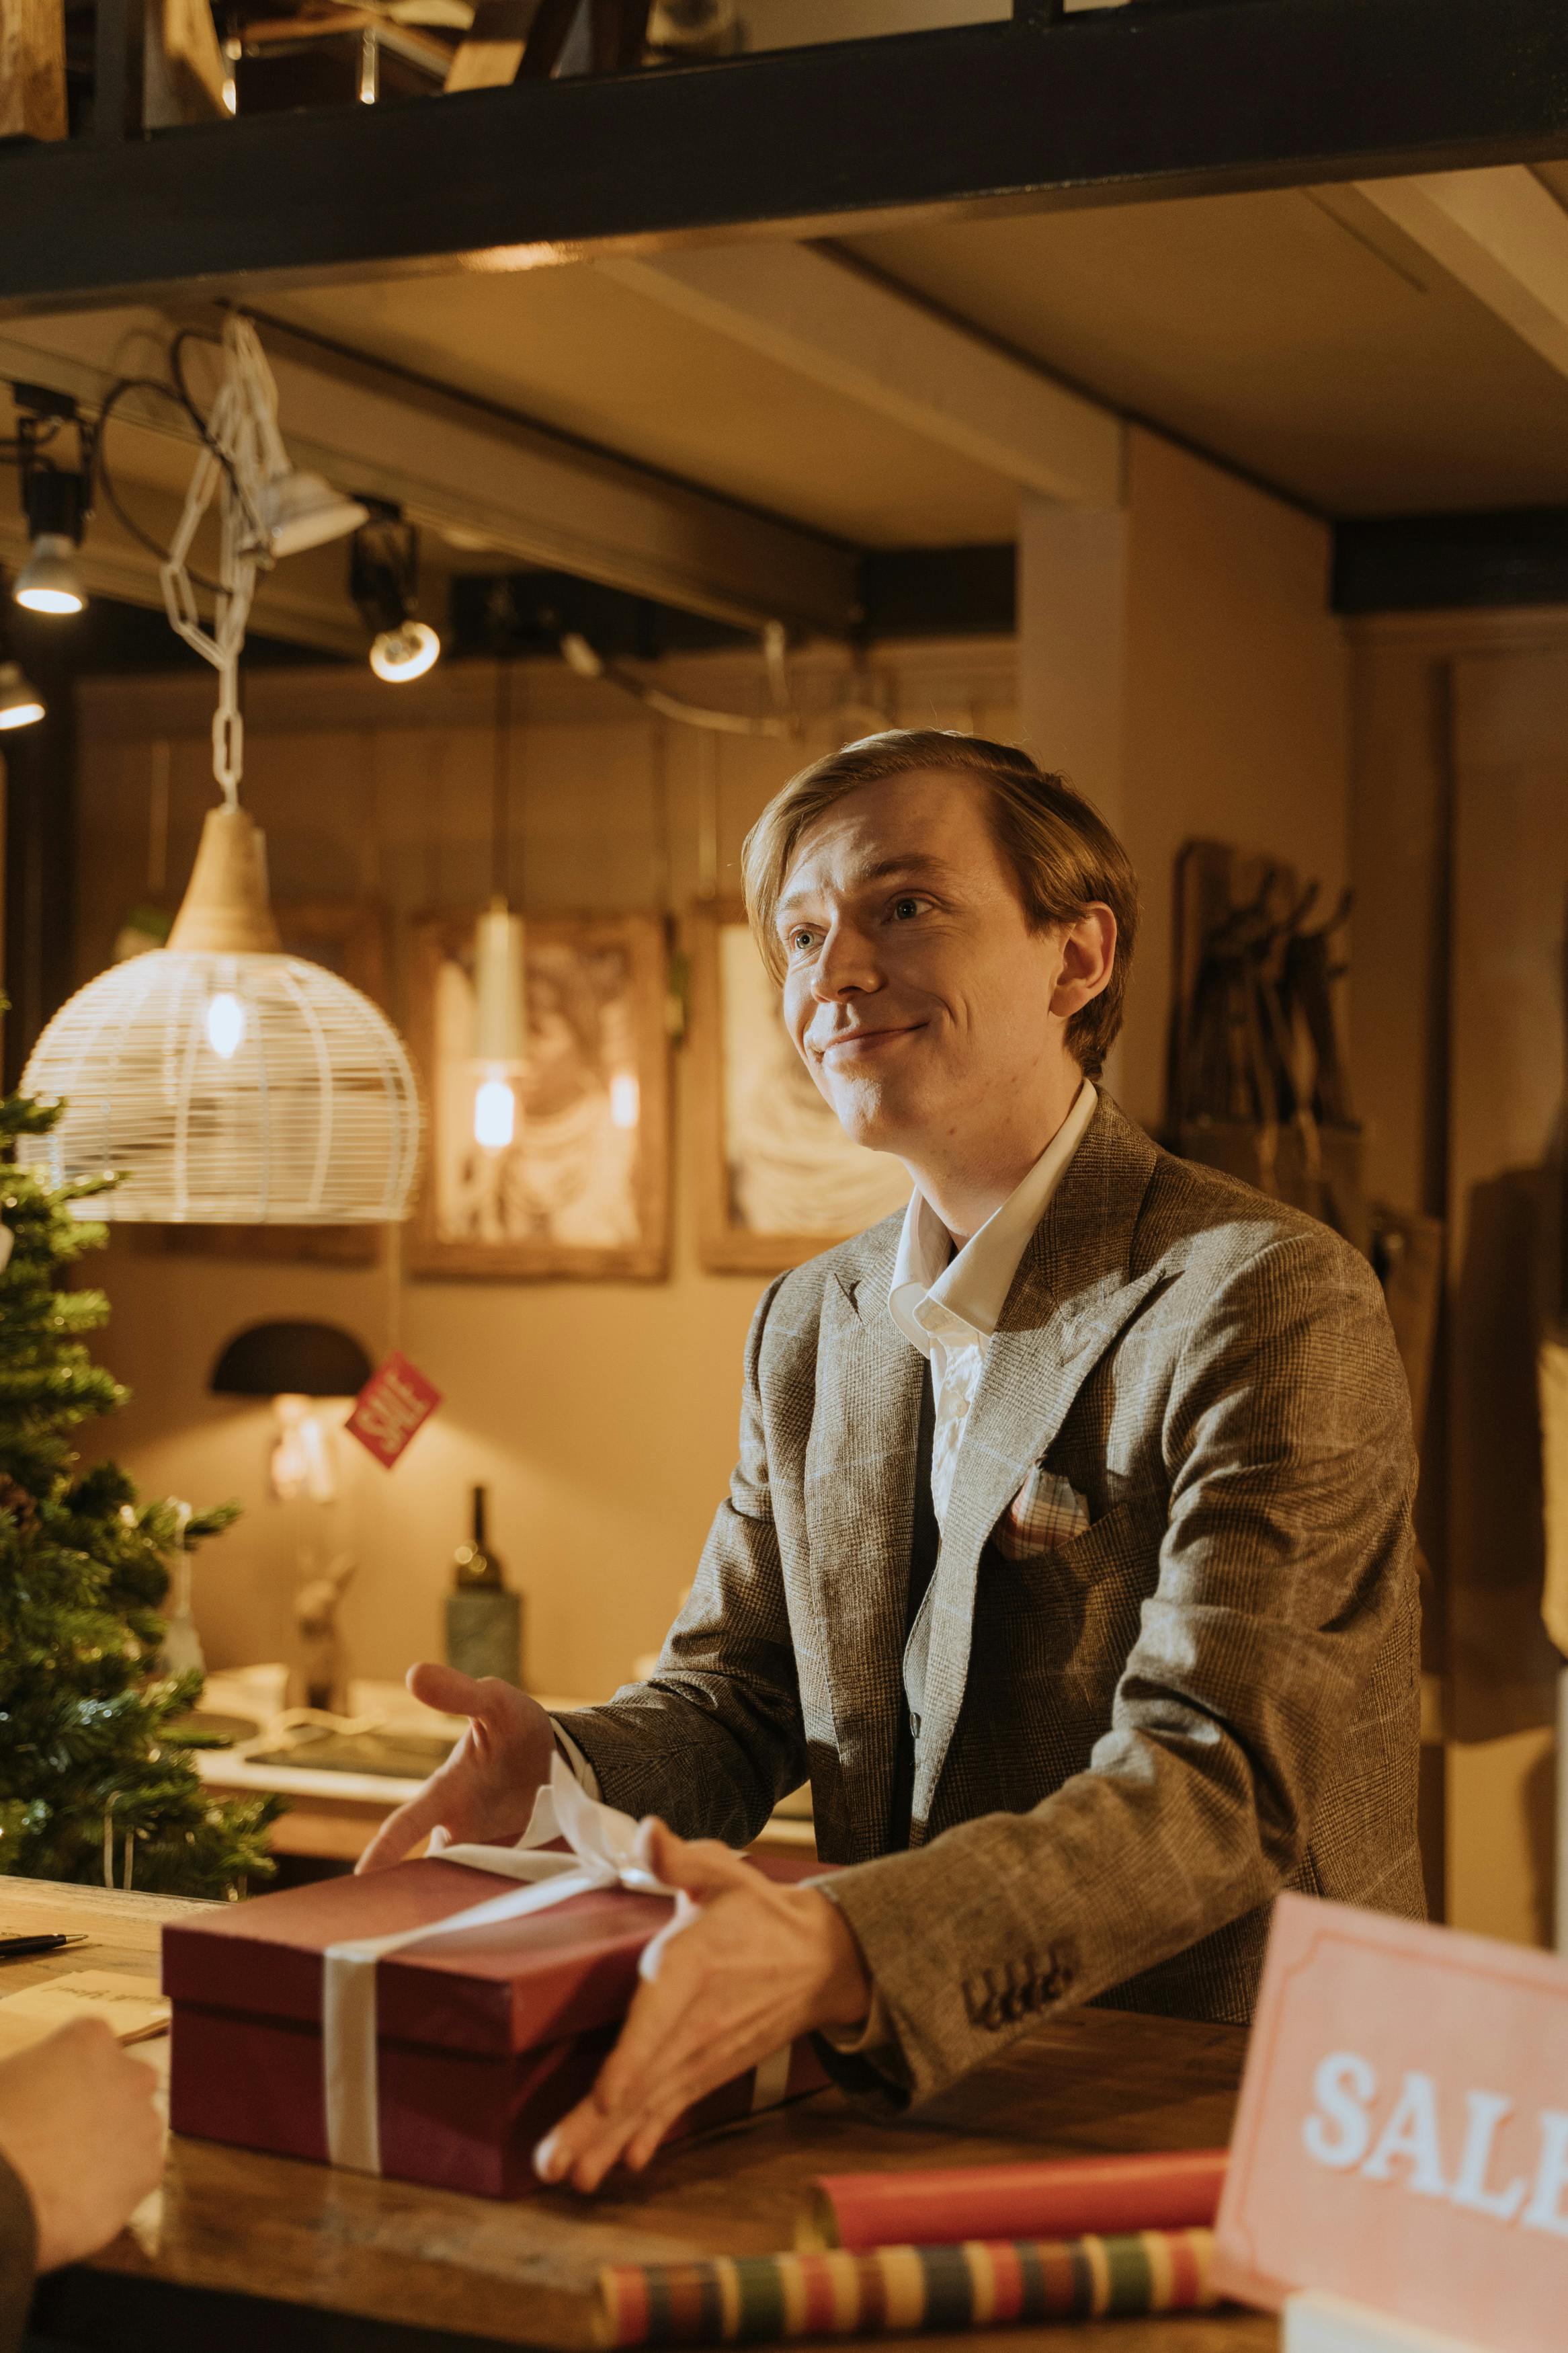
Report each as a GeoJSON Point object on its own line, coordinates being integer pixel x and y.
{"type": "Point", "coordinates": [845, 967]}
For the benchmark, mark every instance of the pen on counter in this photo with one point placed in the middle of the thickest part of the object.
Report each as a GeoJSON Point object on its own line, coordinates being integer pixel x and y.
{"type": "Point", "coordinates": [17, 1949]}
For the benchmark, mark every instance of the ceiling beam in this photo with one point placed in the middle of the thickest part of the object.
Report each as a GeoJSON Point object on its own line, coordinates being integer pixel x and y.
{"type": "Point", "coordinates": [1096, 107]}
{"type": "Point", "coordinates": [821, 315]}
{"type": "Point", "coordinates": [297, 602]}
{"type": "Point", "coordinates": [1502, 234]}
{"type": "Point", "coordinates": [460, 468]}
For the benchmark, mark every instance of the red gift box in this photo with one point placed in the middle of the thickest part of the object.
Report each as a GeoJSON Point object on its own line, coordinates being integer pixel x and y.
{"type": "Point", "coordinates": [485, 2037]}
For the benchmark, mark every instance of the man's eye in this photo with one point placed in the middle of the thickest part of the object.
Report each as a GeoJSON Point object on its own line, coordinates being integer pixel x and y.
{"type": "Point", "coordinates": [799, 940]}
{"type": "Point", "coordinates": [903, 909]}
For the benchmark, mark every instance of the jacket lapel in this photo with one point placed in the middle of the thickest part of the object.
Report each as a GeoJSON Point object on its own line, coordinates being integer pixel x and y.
{"type": "Point", "coordinates": [859, 1513]}
{"type": "Point", "coordinates": [1073, 1293]}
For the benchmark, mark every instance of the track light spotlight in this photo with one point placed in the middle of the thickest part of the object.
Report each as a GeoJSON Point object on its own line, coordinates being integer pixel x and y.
{"type": "Point", "coordinates": [384, 571]}
{"type": "Point", "coordinates": [301, 510]}
{"type": "Point", "coordinates": [49, 582]}
{"type": "Point", "coordinates": [21, 704]}
{"type": "Point", "coordinates": [20, 701]}
{"type": "Point", "coordinates": [399, 655]}
{"type": "Point", "coordinates": [55, 500]}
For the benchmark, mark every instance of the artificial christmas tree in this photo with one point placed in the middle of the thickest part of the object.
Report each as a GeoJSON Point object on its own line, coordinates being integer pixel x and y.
{"type": "Point", "coordinates": [96, 1780]}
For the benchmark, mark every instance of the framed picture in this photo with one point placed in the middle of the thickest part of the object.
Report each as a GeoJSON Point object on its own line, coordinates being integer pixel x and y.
{"type": "Point", "coordinates": [583, 1188]}
{"type": "Point", "coordinates": [349, 936]}
{"type": "Point", "coordinates": [778, 1179]}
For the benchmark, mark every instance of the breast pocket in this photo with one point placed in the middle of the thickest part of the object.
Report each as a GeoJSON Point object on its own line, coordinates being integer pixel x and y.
{"type": "Point", "coordinates": [1046, 1513]}
{"type": "Point", "coordinates": [1073, 1612]}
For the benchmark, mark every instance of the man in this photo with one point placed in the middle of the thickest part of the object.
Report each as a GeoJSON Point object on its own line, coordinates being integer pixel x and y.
{"type": "Point", "coordinates": [80, 2146]}
{"type": "Point", "coordinates": [1068, 1551]}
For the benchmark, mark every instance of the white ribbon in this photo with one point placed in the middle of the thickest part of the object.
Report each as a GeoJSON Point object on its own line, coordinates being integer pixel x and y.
{"type": "Point", "coordinates": [604, 1844]}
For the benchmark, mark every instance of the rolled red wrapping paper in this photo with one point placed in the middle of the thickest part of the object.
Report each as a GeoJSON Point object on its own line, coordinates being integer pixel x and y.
{"type": "Point", "coordinates": [1057, 2198]}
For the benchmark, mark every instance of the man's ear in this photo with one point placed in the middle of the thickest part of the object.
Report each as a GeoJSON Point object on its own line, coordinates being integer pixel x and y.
{"type": "Point", "coordinates": [1088, 958]}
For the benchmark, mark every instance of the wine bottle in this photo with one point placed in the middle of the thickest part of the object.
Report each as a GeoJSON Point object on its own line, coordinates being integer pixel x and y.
{"type": "Point", "coordinates": [484, 1616]}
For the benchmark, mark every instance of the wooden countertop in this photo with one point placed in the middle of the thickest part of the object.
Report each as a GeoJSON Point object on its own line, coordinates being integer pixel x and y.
{"type": "Point", "coordinates": [371, 2267]}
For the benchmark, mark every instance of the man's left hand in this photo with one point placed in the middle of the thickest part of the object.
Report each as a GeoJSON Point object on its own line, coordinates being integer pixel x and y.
{"type": "Point", "coordinates": [745, 1965]}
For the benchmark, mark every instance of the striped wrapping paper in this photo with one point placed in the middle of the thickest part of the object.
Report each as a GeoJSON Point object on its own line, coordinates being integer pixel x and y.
{"type": "Point", "coordinates": [888, 2291]}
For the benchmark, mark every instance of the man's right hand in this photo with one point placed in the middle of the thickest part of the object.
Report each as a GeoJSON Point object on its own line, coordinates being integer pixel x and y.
{"type": "Point", "coordinates": [79, 2129]}
{"type": "Point", "coordinates": [484, 1792]}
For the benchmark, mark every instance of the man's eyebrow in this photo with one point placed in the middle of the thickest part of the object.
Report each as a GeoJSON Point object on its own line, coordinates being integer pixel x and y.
{"type": "Point", "coordinates": [883, 870]}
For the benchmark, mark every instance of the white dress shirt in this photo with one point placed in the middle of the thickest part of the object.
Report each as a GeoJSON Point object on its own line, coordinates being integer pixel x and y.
{"type": "Point", "coordinates": [948, 1307]}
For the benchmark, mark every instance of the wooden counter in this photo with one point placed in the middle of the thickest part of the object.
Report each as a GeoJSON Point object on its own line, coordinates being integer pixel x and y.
{"type": "Point", "coordinates": [239, 2253]}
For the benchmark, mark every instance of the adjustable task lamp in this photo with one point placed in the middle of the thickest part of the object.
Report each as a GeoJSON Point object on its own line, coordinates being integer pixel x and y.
{"type": "Point", "coordinates": [383, 578]}
{"type": "Point", "coordinates": [297, 1366]}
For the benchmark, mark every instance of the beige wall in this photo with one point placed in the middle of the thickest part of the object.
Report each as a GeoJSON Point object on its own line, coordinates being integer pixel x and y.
{"type": "Point", "coordinates": [1461, 850]}
{"type": "Point", "coordinates": [602, 1415]}
{"type": "Point", "coordinates": [1211, 699]}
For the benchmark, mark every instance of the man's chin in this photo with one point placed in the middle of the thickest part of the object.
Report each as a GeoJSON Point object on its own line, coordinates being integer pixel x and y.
{"type": "Point", "coordinates": [870, 1119]}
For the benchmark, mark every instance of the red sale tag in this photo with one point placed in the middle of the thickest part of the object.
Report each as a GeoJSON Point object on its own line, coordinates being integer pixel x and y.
{"type": "Point", "coordinates": [395, 1403]}
{"type": "Point", "coordinates": [1402, 2134]}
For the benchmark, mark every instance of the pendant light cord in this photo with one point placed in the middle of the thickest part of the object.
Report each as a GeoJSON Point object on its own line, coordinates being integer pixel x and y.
{"type": "Point", "coordinates": [500, 789]}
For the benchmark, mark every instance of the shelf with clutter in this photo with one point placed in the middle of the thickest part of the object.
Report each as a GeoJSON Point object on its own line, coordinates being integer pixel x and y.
{"type": "Point", "coordinates": [339, 1777]}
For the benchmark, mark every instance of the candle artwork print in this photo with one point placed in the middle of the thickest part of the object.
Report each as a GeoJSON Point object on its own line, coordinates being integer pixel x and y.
{"type": "Point", "coordinates": [549, 1115]}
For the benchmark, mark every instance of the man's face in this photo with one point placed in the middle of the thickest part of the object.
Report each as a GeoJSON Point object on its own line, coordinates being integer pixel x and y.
{"type": "Point", "coordinates": [916, 995]}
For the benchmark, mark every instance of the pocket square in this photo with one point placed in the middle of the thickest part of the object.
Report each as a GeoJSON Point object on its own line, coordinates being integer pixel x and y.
{"type": "Point", "coordinates": [1045, 1512]}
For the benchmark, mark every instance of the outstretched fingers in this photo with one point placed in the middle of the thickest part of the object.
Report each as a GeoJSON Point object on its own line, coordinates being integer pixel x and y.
{"type": "Point", "coordinates": [401, 1832]}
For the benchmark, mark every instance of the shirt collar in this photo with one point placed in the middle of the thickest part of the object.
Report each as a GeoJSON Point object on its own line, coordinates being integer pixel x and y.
{"type": "Point", "coordinates": [972, 1288]}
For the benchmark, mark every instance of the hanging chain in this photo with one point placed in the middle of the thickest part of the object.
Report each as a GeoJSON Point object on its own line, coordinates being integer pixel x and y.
{"type": "Point", "coordinates": [245, 450]}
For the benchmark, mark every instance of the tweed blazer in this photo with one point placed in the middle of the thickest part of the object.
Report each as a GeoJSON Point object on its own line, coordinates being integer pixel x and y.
{"type": "Point", "coordinates": [1130, 1741]}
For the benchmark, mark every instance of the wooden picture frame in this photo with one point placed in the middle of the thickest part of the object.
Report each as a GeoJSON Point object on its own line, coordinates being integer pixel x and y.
{"type": "Point", "coordinates": [730, 1048]}
{"type": "Point", "coordinates": [594, 1167]}
{"type": "Point", "coordinates": [349, 936]}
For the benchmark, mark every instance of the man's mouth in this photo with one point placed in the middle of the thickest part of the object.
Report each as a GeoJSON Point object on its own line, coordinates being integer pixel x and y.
{"type": "Point", "coordinates": [851, 1045]}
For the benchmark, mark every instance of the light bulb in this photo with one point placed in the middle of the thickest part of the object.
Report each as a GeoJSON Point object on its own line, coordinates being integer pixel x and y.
{"type": "Point", "coordinates": [495, 1115]}
{"type": "Point", "coordinates": [49, 582]}
{"type": "Point", "coordinates": [225, 1024]}
{"type": "Point", "coordinates": [403, 653]}
{"type": "Point", "coordinates": [626, 1100]}
{"type": "Point", "coordinates": [20, 703]}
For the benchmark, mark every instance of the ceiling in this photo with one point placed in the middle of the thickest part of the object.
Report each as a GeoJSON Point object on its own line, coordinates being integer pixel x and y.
{"type": "Point", "coordinates": [1299, 336]}
{"type": "Point", "coordinates": [1295, 335]}
{"type": "Point", "coordinates": [572, 348]}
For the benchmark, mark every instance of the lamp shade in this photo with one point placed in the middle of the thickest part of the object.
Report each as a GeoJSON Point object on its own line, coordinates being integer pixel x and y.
{"type": "Point", "coordinates": [226, 1083]}
{"type": "Point", "coordinates": [291, 1359]}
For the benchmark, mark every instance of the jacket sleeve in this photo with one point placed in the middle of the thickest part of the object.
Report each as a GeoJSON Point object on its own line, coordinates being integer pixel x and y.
{"type": "Point", "coordinates": [1284, 1611]}
{"type": "Point", "coordinates": [18, 2257]}
{"type": "Point", "coordinates": [715, 1739]}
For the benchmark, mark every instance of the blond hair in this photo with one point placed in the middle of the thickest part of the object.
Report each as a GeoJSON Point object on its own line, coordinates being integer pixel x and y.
{"type": "Point", "coordinates": [1063, 856]}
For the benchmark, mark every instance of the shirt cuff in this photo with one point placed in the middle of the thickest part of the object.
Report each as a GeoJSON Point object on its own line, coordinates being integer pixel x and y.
{"type": "Point", "coordinates": [582, 1769]}
{"type": "Point", "coordinates": [871, 2047]}
{"type": "Point", "coordinates": [869, 2040]}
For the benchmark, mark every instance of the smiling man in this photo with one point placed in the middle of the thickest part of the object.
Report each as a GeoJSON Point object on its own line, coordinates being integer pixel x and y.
{"type": "Point", "coordinates": [1069, 1552]}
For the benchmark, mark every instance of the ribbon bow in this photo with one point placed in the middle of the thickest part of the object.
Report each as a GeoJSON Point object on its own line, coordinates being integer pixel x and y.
{"type": "Point", "coordinates": [603, 1854]}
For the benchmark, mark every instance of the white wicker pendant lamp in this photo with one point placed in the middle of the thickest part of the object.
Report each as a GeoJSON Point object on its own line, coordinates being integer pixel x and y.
{"type": "Point", "coordinates": [225, 1081]}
